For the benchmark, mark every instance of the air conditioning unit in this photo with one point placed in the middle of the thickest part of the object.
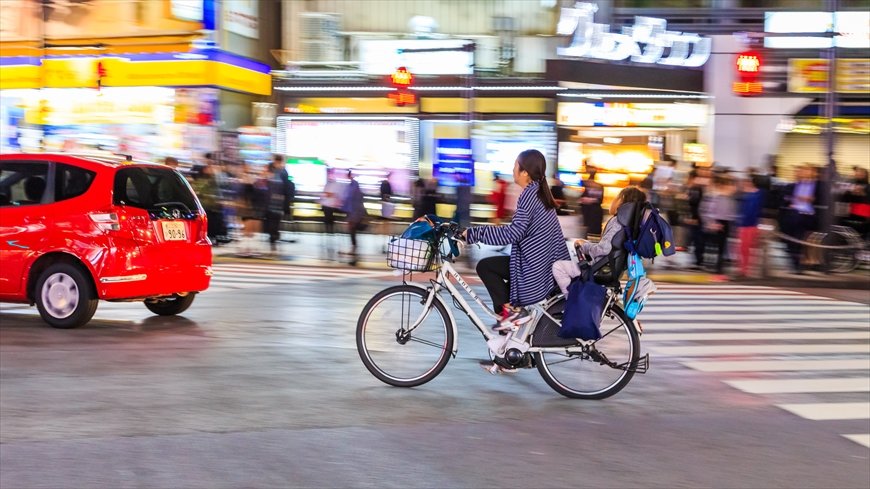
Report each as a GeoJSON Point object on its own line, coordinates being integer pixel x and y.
{"type": "Point", "coordinates": [316, 25]}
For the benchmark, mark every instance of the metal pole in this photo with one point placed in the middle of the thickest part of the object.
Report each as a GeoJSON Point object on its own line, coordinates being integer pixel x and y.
{"type": "Point", "coordinates": [43, 31]}
{"type": "Point", "coordinates": [830, 172]}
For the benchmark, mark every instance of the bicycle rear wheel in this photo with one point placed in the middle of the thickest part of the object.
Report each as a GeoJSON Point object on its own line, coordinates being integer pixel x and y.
{"type": "Point", "coordinates": [391, 350]}
{"type": "Point", "coordinates": [580, 374]}
{"type": "Point", "coordinates": [839, 260]}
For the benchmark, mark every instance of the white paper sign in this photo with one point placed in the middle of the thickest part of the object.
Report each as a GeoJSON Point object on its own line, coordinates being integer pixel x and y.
{"type": "Point", "coordinates": [242, 17]}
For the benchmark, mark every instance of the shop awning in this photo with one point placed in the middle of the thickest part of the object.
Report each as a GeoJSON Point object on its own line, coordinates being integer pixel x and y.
{"type": "Point", "coordinates": [624, 75]}
{"type": "Point", "coordinates": [195, 68]}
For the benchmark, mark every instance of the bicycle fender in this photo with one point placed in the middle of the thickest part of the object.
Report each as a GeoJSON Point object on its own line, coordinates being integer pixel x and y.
{"type": "Point", "coordinates": [450, 315]}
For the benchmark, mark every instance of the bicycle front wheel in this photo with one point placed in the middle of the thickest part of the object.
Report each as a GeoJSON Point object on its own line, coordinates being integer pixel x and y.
{"type": "Point", "coordinates": [392, 348]}
{"type": "Point", "coordinates": [582, 374]}
{"type": "Point", "coordinates": [839, 260]}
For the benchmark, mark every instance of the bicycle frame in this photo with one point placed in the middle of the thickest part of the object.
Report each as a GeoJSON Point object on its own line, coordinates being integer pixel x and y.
{"type": "Point", "coordinates": [445, 271]}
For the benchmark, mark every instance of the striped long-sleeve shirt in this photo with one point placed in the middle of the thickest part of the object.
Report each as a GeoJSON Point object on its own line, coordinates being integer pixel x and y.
{"type": "Point", "coordinates": [537, 241]}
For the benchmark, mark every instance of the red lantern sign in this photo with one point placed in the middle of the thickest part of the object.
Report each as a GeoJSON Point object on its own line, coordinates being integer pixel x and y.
{"type": "Point", "coordinates": [402, 79]}
{"type": "Point", "coordinates": [748, 66]}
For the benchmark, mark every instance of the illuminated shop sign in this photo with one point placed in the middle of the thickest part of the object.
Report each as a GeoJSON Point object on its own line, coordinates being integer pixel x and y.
{"type": "Point", "coordinates": [454, 164]}
{"type": "Point", "coordinates": [853, 29]}
{"type": "Point", "coordinates": [631, 115]}
{"type": "Point", "coordinates": [811, 75]}
{"type": "Point", "coordinates": [647, 41]}
{"type": "Point", "coordinates": [370, 146]}
{"type": "Point", "coordinates": [381, 57]}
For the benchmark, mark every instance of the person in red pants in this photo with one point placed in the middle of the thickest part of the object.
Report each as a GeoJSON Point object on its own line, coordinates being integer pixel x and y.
{"type": "Point", "coordinates": [751, 203]}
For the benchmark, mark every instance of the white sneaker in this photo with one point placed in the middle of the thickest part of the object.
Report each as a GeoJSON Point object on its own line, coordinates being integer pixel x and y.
{"type": "Point", "coordinates": [495, 369]}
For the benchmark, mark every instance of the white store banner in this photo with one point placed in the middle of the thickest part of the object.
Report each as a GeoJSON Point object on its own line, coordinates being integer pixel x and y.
{"type": "Point", "coordinates": [241, 17]}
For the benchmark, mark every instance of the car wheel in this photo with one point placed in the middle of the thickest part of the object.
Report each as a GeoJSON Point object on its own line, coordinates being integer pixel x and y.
{"type": "Point", "coordinates": [170, 305]}
{"type": "Point", "coordinates": [64, 296]}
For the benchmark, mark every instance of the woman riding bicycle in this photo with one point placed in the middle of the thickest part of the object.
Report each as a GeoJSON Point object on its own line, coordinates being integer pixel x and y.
{"type": "Point", "coordinates": [525, 277]}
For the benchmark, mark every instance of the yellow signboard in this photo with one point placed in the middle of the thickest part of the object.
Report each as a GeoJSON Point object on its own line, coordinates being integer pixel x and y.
{"type": "Point", "coordinates": [811, 75]}
{"type": "Point", "coordinates": [20, 76]}
{"type": "Point", "coordinates": [83, 72]}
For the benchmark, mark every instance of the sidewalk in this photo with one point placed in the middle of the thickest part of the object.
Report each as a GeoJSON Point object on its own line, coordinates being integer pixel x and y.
{"type": "Point", "coordinates": [323, 250]}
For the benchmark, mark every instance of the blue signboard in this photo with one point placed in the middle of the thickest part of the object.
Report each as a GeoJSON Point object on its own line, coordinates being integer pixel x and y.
{"type": "Point", "coordinates": [454, 162]}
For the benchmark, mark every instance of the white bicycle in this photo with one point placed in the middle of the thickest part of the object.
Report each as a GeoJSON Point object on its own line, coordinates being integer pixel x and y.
{"type": "Point", "coordinates": [406, 334]}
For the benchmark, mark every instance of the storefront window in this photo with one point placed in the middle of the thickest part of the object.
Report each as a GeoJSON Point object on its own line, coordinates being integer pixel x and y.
{"type": "Point", "coordinates": [146, 122]}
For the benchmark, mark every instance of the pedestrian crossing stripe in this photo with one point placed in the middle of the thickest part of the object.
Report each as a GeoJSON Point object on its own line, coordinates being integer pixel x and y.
{"type": "Point", "coordinates": [801, 386]}
{"type": "Point", "coordinates": [800, 316]}
{"type": "Point", "coordinates": [652, 326]}
{"type": "Point", "coordinates": [778, 365]}
{"type": "Point", "coordinates": [720, 322]}
{"type": "Point", "coordinates": [773, 349]}
{"type": "Point", "coordinates": [749, 301]}
{"type": "Point", "coordinates": [233, 277]}
{"type": "Point", "coordinates": [860, 439]}
{"type": "Point", "coordinates": [829, 411]}
{"type": "Point", "coordinates": [293, 270]}
{"type": "Point", "coordinates": [797, 306]}
{"type": "Point", "coordinates": [724, 289]}
{"type": "Point", "coordinates": [775, 335]}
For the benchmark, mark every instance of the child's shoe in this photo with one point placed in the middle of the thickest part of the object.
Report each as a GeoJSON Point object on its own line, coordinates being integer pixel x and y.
{"type": "Point", "coordinates": [511, 318]}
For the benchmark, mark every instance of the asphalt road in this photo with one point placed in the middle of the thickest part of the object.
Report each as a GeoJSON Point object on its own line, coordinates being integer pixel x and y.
{"type": "Point", "coordinates": [261, 386]}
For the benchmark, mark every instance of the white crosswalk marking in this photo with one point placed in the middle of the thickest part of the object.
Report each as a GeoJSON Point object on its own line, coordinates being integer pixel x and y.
{"type": "Point", "coordinates": [763, 341]}
{"type": "Point", "coordinates": [830, 411]}
{"type": "Point", "coordinates": [234, 276]}
{"type": "Point", "coordinates": [786, 386]}
{"type": "Point", "coordinates": [862, 439]}
{"type": "Point", "coordinates": [779, 365]}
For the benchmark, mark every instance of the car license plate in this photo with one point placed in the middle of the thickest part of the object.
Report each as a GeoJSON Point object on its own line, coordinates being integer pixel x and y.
{"type": "Point", "coordinates": [174, 231]}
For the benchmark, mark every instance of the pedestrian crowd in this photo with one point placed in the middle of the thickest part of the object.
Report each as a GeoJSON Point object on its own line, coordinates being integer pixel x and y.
{"type": "Point", "coordinates": [717, 213]}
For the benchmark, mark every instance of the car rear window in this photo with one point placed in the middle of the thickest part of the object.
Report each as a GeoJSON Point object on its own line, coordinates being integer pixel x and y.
{"type": "Point", "coordinates": [154, 189]}
{"type": "Point", "coordinates": [71, 181]}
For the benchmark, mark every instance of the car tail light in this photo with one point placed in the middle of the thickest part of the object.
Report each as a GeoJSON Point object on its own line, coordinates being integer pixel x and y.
{"type": "Point", "coordinates": [203, 227]}
{"type": "Point", "coordinates": [107, 221]}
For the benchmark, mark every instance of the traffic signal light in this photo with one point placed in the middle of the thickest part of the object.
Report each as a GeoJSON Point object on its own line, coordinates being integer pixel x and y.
{"type": "Point", "coordinates": [402, 80]}
{"type": "Point", "coordinates": [748, 64]}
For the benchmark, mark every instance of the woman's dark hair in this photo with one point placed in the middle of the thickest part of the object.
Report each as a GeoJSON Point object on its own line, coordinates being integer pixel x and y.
{"type": "Point", "coordinates": [632, 194]}
{"type": "Point", "coordinates": [533, 162]}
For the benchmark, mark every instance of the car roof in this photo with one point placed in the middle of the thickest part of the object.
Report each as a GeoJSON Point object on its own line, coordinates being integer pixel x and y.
{"type": "Point", "coordinates": [104, 159]}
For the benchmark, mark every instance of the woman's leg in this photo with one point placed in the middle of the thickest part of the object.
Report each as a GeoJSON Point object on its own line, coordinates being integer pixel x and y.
{"type": "Point", "coordinates": [495, 272]}
{"type": "Point", "coordinates": [329, 220]}
{"type": "Point", "coordinates": [698, 244]}
{"type": "Point", "coordinates": [722, 243]}
{"type": "Point", "coordinates": [745, 235]}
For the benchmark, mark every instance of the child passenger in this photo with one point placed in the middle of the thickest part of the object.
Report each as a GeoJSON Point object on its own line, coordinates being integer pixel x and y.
{"type": "Point", "coordinates": [565, 270]}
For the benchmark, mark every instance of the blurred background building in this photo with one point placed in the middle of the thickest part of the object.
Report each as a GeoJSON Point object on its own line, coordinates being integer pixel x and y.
{"type": "Point", "coordinates": [450, 90]}
{"type": "Point", "coordinates": [147, 78]}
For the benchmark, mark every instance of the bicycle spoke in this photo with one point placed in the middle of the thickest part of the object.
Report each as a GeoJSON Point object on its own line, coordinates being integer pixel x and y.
{"type": "Point", "coordinates": [568, 359]}
{"type": "Point", "coordinates": [410, 354]}
{"type": "Point", "coordinates": [427, 342]}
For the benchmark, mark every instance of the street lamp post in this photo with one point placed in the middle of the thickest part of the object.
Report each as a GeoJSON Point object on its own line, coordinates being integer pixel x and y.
{"type": "Point", "coordinates": [830, 173]}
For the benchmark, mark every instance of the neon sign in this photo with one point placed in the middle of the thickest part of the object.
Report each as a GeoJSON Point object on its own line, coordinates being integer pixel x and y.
{"type": "Point", "coordinates": [748, 63]}
{"type": "Point", "coordinates": [659, 45]}
{"type": "Point", "coordinates": [402, 77]}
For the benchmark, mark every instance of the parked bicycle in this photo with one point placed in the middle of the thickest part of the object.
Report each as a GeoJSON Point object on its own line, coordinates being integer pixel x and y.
{"type": "Point", "coordinates": [407, 333]}
{"type": "Point", "coordinates": [843, 249]}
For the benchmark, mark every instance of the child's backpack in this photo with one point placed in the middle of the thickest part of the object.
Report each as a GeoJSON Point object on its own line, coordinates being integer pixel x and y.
{"type": "Point", "coordinates": [638, 288]}
{"type": "Point", "coordinates": [654, 235]}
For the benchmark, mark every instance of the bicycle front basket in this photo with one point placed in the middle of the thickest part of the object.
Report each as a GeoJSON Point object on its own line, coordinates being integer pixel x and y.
{"type": "Point", "coordinates": [411, 255]}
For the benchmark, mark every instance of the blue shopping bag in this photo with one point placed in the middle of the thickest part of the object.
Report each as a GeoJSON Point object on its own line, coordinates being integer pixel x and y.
{"type": "Point", "coordinates": [583, 309]}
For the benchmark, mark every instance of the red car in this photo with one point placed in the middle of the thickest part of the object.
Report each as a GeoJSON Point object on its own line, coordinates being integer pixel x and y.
{"type": "Point", "coordinates": [75, 229]}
